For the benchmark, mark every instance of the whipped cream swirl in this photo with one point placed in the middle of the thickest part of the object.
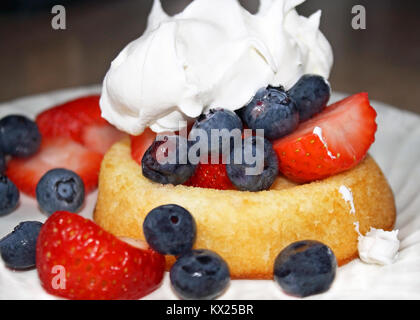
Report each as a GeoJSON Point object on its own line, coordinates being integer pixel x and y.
{"type": "Point", "coordinates": [213, 54]}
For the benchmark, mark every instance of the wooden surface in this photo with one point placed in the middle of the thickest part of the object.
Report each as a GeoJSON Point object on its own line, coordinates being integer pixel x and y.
{"type": "Point", "coordinates": [384, 59]}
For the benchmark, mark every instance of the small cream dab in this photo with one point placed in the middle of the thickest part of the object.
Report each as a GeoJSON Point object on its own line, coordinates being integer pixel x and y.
{"type": "Point", "coordinates": [348, 197]}
{"type": "Point", "coordinates": [378, 246]}
{"type": "Point", "coordinates": [318, 131]}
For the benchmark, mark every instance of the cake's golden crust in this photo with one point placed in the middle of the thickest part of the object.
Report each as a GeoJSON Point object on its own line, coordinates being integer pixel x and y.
{"type": "Point", "coordinates": [249, 229]}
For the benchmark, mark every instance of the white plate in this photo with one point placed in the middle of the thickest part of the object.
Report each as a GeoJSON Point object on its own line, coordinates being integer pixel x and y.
{"type": "Point", "coordinates": [397, 150]}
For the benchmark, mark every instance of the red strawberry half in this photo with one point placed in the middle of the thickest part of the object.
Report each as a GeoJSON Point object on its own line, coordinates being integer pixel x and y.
{"type": "Point", "coordinates": [81, 121]}
{"type": "Point", "coordinates": [212, 176]}
{"type": "Point", "coordinates": [334, 141]}
{"type": "Point", "coordinates": [76, 259]}
{"type": "Point", "coordinates": [140, 144]}
{"type": "Point", "coordinates": [55, 153]}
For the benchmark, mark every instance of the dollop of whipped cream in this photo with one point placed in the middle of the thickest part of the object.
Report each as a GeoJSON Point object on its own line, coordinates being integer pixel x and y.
{"type": "Point", "coordinates": [213, 54]}
{"type": "Point", "coordinates": [378, 246]}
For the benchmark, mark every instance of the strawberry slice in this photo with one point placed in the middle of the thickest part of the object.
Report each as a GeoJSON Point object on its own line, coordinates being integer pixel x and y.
{"type": "Point", "coordinates": [334, 141]}
{"type": "Point", "coordinates": [100, 138]}
{"type": "Point", "coordinates": [76, 259]}
{"type": "Point", "coordinates": [55, 153]}
{"type": "Point", "coordinates": [211, 176]}
{"type": "Point", "coordinates": [81, 121]}
{"type": "Point", "coordinates": [140, 144]}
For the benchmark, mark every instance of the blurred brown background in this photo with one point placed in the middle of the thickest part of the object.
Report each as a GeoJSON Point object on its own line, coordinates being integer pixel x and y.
{"type": "Point", "coordinates": [384, 59]}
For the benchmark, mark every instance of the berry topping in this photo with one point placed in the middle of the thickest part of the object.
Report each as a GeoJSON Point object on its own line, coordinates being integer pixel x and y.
{"type": "Point", "coordinates": [311, 95]}
{"type": "Point", "coordinates": [166, 161]}
{"type": "Point", "coordinates": [199, 274]}
{"type": "Point", "coordinates": [211, 176]}
{"type": "Point", "coordinates": [76, 259]}
{"type": "Point", "coordinates": [170, 229]}
{"type": "Point", "coordinates": [81, 121]}
{"type": "Point", "coordinates": [273, 111]}
{"type": "Point", "coordinates": [60, 190]}
{"type": "Point", "coordinates": [18, 247]}
{"type": "Point", "coordinates": [305, 268]}
{"type": "Point", "coordinates": [19, 136]}
{"type": "Point", "coordinates": [217, 125]}
{"type": "Point", "coordinates": [55, 153]}
{"type": "Point", "coordinates": [9, 196]}
{"type": "Point", "coordinates": [333, 141]}
{"type": "Point", "coordinates": [256, 168]}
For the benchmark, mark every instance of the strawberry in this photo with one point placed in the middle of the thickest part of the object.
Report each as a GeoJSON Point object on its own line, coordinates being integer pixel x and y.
{"type": "Point", "coordinates": [334, 141]}
{"type": "Point", "coordinates": [94, 263]}
{"type": "Point", "coordinates": [140, 144]}
{"type": "Point", "coordinates": [81, 121]}
{"type": "Point", "coordinates": [55, 153]}
{"type": "Point", "coordinates": [212, 176]}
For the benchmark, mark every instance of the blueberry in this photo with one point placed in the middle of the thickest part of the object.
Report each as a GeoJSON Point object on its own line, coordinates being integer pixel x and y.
{"type": "Point", "coordinates": [19, 136]}
{"type": "Point", "coordinates": [273, 111]}
{"type": "Point", "coordinates": [170, 229]}
{"type": "Point", "coordinates": [60, 190]}
{"type": "Point", "coordinates": [18, 247]}
{"type": "Point", "coordinates": [258, 167]}
{"type": "Point", "coordinates": [9, 195]}
{"type": "Point", "coordinates": [2, 163]}
{"type": "Point", "coordinates": [199, 274]}
{"type": "Point", "coordinates": [217, 119]}
{"type": "Point", "coordinates": [167, 162]}
{"type": "Point", "coordinates": [311, 95]}
{"type": "Point", "coordinates": [305, 268]}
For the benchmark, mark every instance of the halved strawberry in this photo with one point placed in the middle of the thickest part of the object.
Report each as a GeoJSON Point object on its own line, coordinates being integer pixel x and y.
{"type": "Point", "coordinates": [55, 153]}
{"type": "Point", "coordinates": [334, 141]}
{"type": "Point", "coordinates": [81, 121]}
{"type": "Point", "coordinates": [211, 176]}
{"type": "Point", "coordinates": [76, 259]}
{"type": "Point", "coordinates": [140, 144]}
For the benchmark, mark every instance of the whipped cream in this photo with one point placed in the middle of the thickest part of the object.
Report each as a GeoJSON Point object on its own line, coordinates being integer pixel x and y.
{"type": "Point", "coordinates": [378, 246]}
{"type": "Point", "coordinates": [347, 196]}
{"type": "Point", "coordinates": [213, 54]}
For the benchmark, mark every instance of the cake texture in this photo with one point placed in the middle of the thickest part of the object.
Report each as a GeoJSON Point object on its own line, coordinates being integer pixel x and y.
{"type": "Point", "coordinates": [249, 229]}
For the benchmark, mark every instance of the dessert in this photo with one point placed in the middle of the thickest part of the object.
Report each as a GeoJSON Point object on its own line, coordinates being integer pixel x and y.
{"type": "Point", "coordinates": [315, 192]}
{"type": "Point", "coordinates": [320, 150]}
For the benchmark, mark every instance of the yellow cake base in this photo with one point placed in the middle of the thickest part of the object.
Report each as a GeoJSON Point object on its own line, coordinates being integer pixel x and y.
{"type": "Point", "coordinates": [249, 229]}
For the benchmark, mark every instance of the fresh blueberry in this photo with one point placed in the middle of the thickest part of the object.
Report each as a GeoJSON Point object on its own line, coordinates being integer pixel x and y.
{"type": "Point", "coordinates": [273, 111]}
{"type": "Point", "coordinates": [2, 163]}
{"type": "Point", "coordinates": [311, 95]}
{"type": "Point", "coordinates": [221, 123]}
{"type": "Point", "coordinates": [255, 166]}
{"type": "Point", "coordinates": [19, 136]}
{"type": "Point", "coordinates": [9, 195]}
{"type": "Point", "coordinates": [60, 190]}
{"type": "Point", "coordinates": [305, 268]}
{"type": "Point", "coordinates": [166, 161]}
{"type": "Point", "coordinates": [170, 229]}
{"type": "Point", "coordinates": [199, 274]}
{"type": "Point", "coordinates": [18, 247]}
